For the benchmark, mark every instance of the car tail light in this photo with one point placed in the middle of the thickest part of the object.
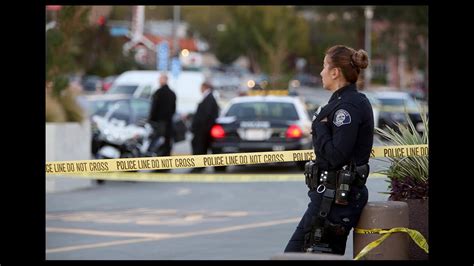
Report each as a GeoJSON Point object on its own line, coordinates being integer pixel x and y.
{"type": "Point", "coordinates": [294, 132]}
{"type": "Point", "coordinates": [217, 132]}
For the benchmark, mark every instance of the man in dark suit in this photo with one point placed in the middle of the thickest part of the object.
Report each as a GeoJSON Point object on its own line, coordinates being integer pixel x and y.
{"type": "Point", "coordinates": [163, 107]}
{"type": "Point", "coordinates": [203, 120]}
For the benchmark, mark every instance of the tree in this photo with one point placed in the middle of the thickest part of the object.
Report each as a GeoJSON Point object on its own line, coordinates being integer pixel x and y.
{"type": "Point", "coordinates": [267, 35]}
{"type": "Point", "coordinates": [332, 25]}
{"type": "Point", "coordinates": [406, 34]}
{"type": "Point", "coordinates": [63, 42]}
{"type": "Point", "coordinates": [205, 20]}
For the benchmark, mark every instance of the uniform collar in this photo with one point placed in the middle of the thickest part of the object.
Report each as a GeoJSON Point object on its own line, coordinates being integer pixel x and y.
{"type": "Point", "coordinates": [205, 93]}
{"type": "Point", "coordinates": [344, 90]}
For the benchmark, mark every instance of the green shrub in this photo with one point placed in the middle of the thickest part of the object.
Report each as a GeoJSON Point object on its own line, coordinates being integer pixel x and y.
{"type": "Point", "coordinates": [408, 176]}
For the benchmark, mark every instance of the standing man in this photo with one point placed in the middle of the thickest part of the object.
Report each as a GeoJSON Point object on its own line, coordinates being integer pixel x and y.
{"type": "Point", "coordinates": [203, 120]}
{"type": "Point", "coordinates": [163, 107]}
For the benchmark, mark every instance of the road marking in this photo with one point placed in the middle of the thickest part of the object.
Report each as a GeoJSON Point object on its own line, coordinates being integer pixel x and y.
{"type": "Point", "coordinates": [103, 233]}
{"type": "Point", "coordinates": [98, 245]}
{"type": "Point", "coordinates": [144, 237]}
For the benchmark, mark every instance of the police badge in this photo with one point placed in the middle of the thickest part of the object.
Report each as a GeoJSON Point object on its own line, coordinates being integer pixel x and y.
{"type": "Point", "coordinates": [341, 117]}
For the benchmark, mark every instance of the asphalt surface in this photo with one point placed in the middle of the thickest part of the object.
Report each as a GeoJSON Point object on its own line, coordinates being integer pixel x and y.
{"type": "Point", "coordinates": [179, 220]}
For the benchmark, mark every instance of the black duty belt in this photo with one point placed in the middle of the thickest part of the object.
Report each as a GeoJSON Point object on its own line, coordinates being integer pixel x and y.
{"type": "Point", "coordinates": [331, 178]}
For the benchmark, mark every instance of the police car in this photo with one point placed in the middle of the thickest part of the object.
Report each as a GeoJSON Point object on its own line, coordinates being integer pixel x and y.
{"type": "Point", "coordinates": [262, 123]}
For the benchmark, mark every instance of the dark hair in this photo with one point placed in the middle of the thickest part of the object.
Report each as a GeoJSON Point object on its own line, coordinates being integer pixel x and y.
{"type": "Point", "coordinates": [348, 60]}
{"type": "Point", "coordinates": [207, 85]}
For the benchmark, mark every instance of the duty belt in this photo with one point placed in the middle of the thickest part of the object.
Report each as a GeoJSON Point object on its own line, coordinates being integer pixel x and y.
{"type": "Point", "coordinates": [329, 178]}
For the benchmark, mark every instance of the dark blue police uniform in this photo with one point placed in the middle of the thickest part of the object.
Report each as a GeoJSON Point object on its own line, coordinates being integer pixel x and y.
{"type": "Point", "coordinates": [345, 138]}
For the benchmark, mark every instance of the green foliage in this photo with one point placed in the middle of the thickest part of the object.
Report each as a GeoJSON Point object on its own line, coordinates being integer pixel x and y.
{"type": "Point", "coordinates": [62, 43]}
{"type": "Point", "coordinates": [408, 176]}
{"type": "Point", "coordinates": [204, 21]}
{"type": "Point", "coordinates": [266, 34]}
{"type": "Point", "coordinates": [60, 82]}
{"type": "Point", "coordinates": [404, 23]}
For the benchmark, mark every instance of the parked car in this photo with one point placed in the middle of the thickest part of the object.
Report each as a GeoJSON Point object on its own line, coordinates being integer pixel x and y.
{"type": "Point", "coordinates": [91, 84]}
{"type": "Point", "coordinates": [262, 123]}
{"type": "Point", "coordinates": [107, 83]}
{"type": "Point", "coordinates": [376, 105]}
{"type": "Point", "coordinates": [304, 79]}
{"type": "Point", "coordinates": [393, 105]}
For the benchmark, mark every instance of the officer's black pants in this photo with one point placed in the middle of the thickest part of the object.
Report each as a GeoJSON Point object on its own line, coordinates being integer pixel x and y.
{"type": "Point", "coordinates": [357, 200]}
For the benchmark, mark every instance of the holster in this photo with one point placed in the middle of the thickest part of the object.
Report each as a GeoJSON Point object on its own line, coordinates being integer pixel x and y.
{"type": "Point", "coordinates": [361, 174]}
{"type": "Point", "coordinates": [310, 174]}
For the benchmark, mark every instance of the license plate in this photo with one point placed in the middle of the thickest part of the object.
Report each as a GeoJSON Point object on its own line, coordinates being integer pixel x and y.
{"type": "Point", "coordinates": [255, 134]}
{"type": "Point", "coordinates": [109, 152]}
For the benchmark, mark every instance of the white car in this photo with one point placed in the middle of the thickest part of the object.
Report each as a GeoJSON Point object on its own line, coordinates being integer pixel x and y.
{"type": "Point", "coordinates": [143, 83]}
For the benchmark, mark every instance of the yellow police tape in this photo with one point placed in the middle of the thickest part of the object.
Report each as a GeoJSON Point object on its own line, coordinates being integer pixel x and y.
{"type": "Point", "coordinates": [415, 235]}
{"type": "Point", "coordinates": [209, 160]}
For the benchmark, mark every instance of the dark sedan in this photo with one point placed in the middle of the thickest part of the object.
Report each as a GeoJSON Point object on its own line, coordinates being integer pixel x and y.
{"type": "Point", "coordinates": [262, 123]}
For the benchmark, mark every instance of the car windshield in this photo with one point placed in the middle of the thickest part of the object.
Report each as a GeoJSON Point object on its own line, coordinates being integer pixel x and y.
{"type": "Point", "coordinates": [119, 110]}
{"type": "Point", "coordinates": [263, 110]}
{"type": "Point", "coordinates": [123, 89]}
{"type": "Point", "coordinates": [408, 102]}
{"type": "Point", "coordinates": [140, 108]}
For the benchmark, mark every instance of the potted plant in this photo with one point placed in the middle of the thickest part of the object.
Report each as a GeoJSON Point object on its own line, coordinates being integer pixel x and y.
{"type": "Point", "coordinates": [408, 177]}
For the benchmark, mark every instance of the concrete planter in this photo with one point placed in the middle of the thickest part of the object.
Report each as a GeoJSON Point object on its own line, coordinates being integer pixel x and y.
{"type": "Point", "coordinates": [418, 220]}
{"type": "Point", "coordinates": [418, 217]}
{"type": "Point", "coordinates": [67, 141]}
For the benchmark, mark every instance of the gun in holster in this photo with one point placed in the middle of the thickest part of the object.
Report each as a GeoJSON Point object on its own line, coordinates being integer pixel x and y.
{"type": "Point", "coordinates": [310, 174]}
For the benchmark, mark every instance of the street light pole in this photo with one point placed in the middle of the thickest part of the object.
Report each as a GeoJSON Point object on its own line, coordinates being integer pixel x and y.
{"type": "Point", "coordinates": [176, 18]}
{"type": "Point", "coordinates": [369, 13]}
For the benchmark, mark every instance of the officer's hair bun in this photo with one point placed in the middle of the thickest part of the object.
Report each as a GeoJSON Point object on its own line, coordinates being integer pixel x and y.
{"type": "Point", "coordinates": [360, 59]}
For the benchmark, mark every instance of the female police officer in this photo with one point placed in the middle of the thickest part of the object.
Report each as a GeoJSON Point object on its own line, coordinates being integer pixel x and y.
{"type": "Point", "coordinates": [342, 138]}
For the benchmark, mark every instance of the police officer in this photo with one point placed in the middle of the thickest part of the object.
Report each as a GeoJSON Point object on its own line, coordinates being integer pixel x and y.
{"type": "Point", "coordinates": [163, 107]}
{"type": "Point", "coordinates": [342, 139]}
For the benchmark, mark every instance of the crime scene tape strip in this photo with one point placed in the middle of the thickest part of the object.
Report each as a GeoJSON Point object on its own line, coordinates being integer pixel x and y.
{"type": "Point", "coordinates": [209, 160]}
{"type": "Point", "coordinates": [415, 235]}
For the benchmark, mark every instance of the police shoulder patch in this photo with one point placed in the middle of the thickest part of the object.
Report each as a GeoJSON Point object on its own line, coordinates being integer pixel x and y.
{"type": "Point", "coordinates": [341, 117]}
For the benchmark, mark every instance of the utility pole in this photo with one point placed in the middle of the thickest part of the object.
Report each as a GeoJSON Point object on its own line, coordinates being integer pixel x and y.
{"type": "Point", "coordinates": [369, 14]}
{"type": "Point", "coordinates": [138, 20]}
{"type": "Point", "coordinates": [176, 19]}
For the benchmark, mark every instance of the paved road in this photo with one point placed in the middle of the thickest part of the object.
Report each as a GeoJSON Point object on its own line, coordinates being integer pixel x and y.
{"type": "Point", "coordinates": [180, 220]}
